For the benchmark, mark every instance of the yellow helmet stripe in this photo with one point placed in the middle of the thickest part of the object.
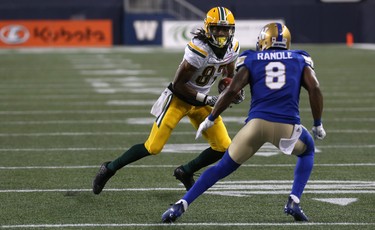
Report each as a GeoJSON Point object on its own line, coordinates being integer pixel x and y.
{"type": "Point", "coordinates": [197, 50]}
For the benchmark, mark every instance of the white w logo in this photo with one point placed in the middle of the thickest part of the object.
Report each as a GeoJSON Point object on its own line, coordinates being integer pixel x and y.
{"type": "Point", "coordinates": [145, 29]}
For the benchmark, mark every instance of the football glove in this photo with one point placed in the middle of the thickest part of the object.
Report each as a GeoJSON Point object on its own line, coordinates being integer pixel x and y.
{"type": "Point", "coordinates": [210, 100]}
{"type": "Point", "coordinates": [318, 132]}
{"type": "Point", "coordinates": [207, 123]}
{"type": "Point", "coordinates": [239, 97]}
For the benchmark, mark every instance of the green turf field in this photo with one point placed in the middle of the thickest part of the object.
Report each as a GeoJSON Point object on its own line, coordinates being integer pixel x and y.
{"type": "Point", "coordinates": [64, 112]}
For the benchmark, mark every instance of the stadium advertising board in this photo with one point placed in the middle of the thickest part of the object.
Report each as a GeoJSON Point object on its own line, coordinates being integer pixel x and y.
{"type": "Point", "coordinates": [176, 34]}
{"type": "Point", "coordinates": [56, 33]}
{"type": "Point", "coordinates": [142, 29]}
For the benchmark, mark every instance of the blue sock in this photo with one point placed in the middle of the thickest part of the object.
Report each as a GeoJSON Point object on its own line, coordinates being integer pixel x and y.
{"type": "Point", "coordinates": [304, 166]}
{"type": "Point", "coordinates": [209, 177]}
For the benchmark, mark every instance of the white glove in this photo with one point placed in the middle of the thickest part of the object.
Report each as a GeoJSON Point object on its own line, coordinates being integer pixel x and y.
{"type": "Point", "coordinates": [318, 132]}
{"type": "Point", "coordinates": [239, 97]}
{"type": "Point", "coordinates": [210, 100]}
{"type": "Point", "coordinates": [207, 123]}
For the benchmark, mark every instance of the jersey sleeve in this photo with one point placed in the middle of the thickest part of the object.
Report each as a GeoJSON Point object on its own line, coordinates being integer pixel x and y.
{"type": "Point", "coordinates": [307, 58]}
{"type": "Point", "coordinates": [236, 48]}
{"type": "Point", "coordinates": [195, 55]}
{"type": "Point", "coordinates": [241, 59]}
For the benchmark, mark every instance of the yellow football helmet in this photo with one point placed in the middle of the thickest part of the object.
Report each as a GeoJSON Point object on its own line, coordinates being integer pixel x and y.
{"type": "Point", "coordinates": [219, 26]}
{"type": "Point", "coordinates": [274, 35]}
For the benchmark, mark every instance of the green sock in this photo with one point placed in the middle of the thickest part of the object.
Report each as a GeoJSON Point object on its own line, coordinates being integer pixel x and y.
{"type": "Point", "coordinates": [207, 157]}
{"type": "Point", "coordinates": [135, 153]}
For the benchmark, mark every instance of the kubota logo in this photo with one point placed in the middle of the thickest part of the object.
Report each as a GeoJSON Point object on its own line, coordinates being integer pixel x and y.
{"type": "Point", "coordinates": [14, 34]}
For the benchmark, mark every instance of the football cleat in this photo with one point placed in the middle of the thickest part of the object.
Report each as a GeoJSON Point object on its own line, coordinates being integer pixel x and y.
{"type": "Point", "coordinates": [186, 179]}
{"type": "Point", "coordinates": [293, 208]}
{"type": "Point", "coordinates": [173, 213]}
{"type": "Point", "coordinates": [101, 178]}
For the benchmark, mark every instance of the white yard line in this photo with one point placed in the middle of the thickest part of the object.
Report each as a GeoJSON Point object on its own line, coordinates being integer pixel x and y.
{"type": "Point", "coordinates": [174, 225]}
{"type": "Point", "coordinates": [167, 147]}
{"type": "Point", "coordinates": [47, 112]}
{"type": "Point", "coordinates": [126, 121]}
{"type": "Point", "coordinates": [348, 131]}
{"type": "Point", "coordinates": [173, 166]}
{"type": "Point", "coordinates": [30, 112]}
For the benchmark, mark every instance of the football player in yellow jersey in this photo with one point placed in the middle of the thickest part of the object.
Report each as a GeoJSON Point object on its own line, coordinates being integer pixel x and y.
{"type": "Point", "coordinates": [210, 54]}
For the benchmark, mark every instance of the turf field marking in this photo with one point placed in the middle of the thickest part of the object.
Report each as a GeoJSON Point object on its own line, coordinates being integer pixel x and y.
{"type": "Point", "coordinates": [124, 121]}
{"type": "Point", "coordinates": [173, 166]}
{"type": "Point", "coordinates": [129, 84]}
{"type": "Point", "coordinates": [147, 111]}
{"type": "Point", "coordinates": [166, 148]}
{"type": "Point", "coordinates": [139, 133]}
{"type": "Point", "coordinates": [244, 188]}
{"type": "Point", "coordinates": [130, 225]}
{"type": "Point", "coordinates": [266, 150]}
{"type": "Point", "coordinates": [46, 112]}
{"type": "Point", "coordinates": [364, 46]}
{"type": "Point", "coordinates": [247, 188]}
{"type": "Point", "coordinates": [223, 193]}
{"type": "Point", "coordinates": [79, 51]}
{"type": "Point", "coordinates": [339, 201]}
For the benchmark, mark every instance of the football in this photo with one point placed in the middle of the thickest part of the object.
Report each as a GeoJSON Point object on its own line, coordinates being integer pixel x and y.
{"type": "Point", "coordinates": [224, 83]}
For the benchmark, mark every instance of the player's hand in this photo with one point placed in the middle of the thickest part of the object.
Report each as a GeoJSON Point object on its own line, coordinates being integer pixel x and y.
{"type": "Point", "coordinates": [207, 123]}
{"type": "Point", "coordinates": [318, 132]}
{"type": "Point", "coordinates": [210, 100]}
{"type": "Point", "coordinates": [239, 97]}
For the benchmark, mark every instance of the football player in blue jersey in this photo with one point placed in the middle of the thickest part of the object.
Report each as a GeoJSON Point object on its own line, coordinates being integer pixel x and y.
{"type": "Point", "coordinates": [210, 54]}
{"type": "Point", "coordinates": [275, 75]}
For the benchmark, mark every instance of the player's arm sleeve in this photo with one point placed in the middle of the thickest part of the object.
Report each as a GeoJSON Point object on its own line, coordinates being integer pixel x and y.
{"type": "Point", "coordinates": [240, 62]}
{"type": "Point", "coordinates": [307, 59]}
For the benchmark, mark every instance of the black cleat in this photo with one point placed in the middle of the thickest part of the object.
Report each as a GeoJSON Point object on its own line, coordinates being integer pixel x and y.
{"type": "Point", "coordinates": [185, 178]}
{"type": "Point", "coordinates": [101, 178]}
{"type": "Point", "coordinates": [293, 208]}
{"type": "Point", "coordinates": [173, 213]}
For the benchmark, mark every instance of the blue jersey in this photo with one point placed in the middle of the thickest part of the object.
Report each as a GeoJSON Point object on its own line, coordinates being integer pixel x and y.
{"type": "Point", "coordinates": [275, 83]}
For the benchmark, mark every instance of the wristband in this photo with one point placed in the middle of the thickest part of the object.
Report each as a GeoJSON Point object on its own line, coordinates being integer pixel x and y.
{"type": "Point", "coordinates": [211, 118]}
{"type": "Point", "coordinates": [200, 97]}
{"type": "Point", "coordinates": [317, 122]}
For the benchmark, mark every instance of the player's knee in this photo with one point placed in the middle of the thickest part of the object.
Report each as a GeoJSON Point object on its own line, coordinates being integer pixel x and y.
{"type": "Point", "coordinates": [221, 146]}
{"type": "Point", "coordinates": [153, 149]}
{"type": "Point", "coordinates": [307, 139]}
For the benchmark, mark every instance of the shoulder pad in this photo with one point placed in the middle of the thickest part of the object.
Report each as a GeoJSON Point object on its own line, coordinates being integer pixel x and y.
{"type": "Point", "coordinates": [241, 59]}
{"type": "Point", "coordinates": [306, 56]}
{"type": "Point", "coordinates": [236, 45]}
{"type": "Point", "coordinates": [302, 52]}
{"type": "Point", "coordinates": [198, 47]}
